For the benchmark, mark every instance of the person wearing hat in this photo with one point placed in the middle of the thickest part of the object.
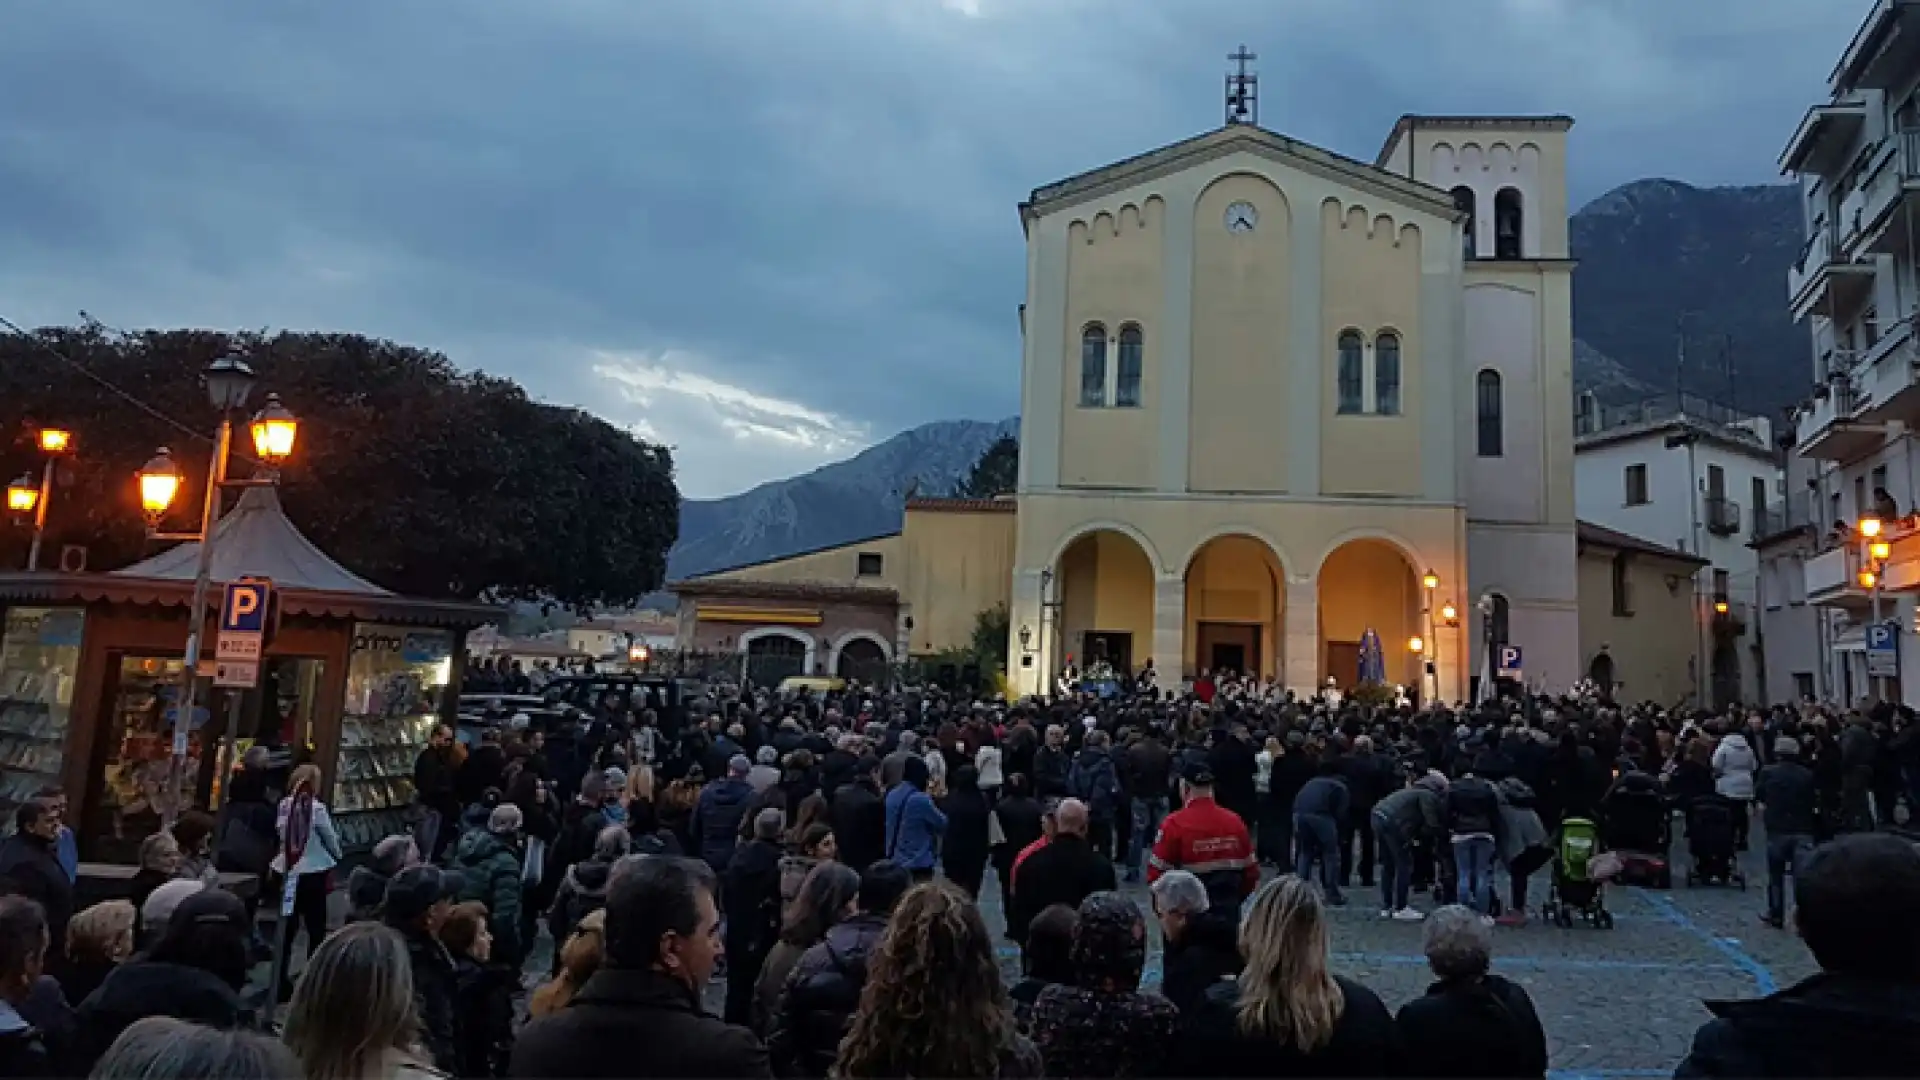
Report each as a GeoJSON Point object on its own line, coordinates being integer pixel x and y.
{"type": "Point", "coordinates": [1788, 794]}
{"type": "Point", "coordinates": [1208, 841]}
{"type": "Point", "coordinates": [417, 902]}
{"type": "Point", "coordinates": [489, 862]}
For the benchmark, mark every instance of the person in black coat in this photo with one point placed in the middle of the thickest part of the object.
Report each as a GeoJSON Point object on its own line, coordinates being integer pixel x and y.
{"type": "Point", "coordinates": [1066, 871]}
{"type": "Point", "coordinates": [1022, 821]}
{"type": "Point", "coordinates": [30, 866]}
{"type": "Point", "coordinates": [816, 1009]}
{"type": "Point", "coordinates": [1235, 766]}
{"type": "Point", "coordinates": [1202, 945]}
{"type": "Point", "coordinates": [963, 850]}
{"type": "Point", "coordinates": [434, 789]}
{"type": "Point", "coordinates": [417, 903]}
{"type": "Point", "coordinates": [661, 945]}
{"type": "Point", "coordinates": [23, 953]}
{"type": "Point", "coordinates": [1291, 771]}
{"type": "Point", "coordinates": [859, 815]}
{"type": "Point", "coordinates": [1471, 1023]}
{"type": "Point", "coordinates": [751, 892]}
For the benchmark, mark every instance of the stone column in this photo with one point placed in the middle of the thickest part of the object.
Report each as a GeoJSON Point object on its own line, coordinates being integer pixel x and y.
{"type": "Point", "coordinates": [1027, 666]}
{"type": "Point", "coordinates": [1302, 653]}
{"type": "Point", "coordinates": [1170, 630]}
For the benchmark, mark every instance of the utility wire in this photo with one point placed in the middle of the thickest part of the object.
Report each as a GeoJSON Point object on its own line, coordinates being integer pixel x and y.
{"type": "Point", "coordinates": [104, 383]}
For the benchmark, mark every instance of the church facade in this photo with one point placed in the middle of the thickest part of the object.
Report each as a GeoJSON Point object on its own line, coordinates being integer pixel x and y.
{"type": "Point", "coordinates": [1274, 398]}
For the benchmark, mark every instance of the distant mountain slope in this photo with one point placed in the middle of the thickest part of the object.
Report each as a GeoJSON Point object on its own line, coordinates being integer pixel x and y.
{"type": "Point", "coordinates": [1655, 251]}
{"type": "Point", "coordinates": [834, 504]}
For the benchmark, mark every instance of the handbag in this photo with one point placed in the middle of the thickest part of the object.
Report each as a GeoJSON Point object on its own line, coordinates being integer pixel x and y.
{"type": "Point", "coordinates": [535, 867]}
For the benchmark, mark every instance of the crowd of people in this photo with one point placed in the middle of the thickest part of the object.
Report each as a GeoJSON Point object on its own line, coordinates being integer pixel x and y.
{"type": "Point", "coordinates": [824, 856]}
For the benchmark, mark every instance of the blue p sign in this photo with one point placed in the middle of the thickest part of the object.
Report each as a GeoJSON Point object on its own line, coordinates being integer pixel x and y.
{"type": "Point", "coordinates": [244, 608]}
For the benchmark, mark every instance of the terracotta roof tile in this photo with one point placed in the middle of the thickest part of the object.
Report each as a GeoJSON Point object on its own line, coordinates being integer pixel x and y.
{"type": "Point", "coordinates": [1002, 505]}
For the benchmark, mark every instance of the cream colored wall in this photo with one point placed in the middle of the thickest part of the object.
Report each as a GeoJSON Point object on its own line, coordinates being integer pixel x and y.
{"type": "Point", "coordinates": [835, 566]}
{"type": "Point", "coordinates": [958, 564]}
{"type": "Point", "coordinates": [1107, 584]}
{"type": "Point", "coordinates": [1372, 282]}
{"type": "Point", "coordinates": [1240, 374]}
{"type": "Point", "coordinates": [1543, 414]}
{"type": "Point", "coordinates": [1113, 279]}
{"type": "Point", "coordinates": [1236, 579]}
{"type": "Point", "coordinates": [1367, 585]}
{"type": "Point", "coordinates": [1652, 647]}
{"type": "Point", "coordinates": [1533, 161]}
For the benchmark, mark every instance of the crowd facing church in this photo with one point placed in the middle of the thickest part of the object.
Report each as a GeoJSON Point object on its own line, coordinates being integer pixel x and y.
{"type": "Point", "coordinates": [825, 858]}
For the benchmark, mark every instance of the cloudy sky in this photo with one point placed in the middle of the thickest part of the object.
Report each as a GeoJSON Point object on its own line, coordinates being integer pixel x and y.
{"type": "Point", "coordinates": [765, 232]}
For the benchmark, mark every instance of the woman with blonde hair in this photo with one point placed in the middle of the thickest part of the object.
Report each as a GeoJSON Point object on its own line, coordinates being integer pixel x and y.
{"type": "Point", "coordinates": [309, 847]}
{"type": "Point", "coordinates": [934, 1003]}
{"type": "Point", "coordinates": [353, 1015]}
{"type": "Point", "coordinates": [1287, 1014]}
{"type": "Point", "coordinates": [579, 959]}
{"type": "Point", "coordinates": [98, 939]}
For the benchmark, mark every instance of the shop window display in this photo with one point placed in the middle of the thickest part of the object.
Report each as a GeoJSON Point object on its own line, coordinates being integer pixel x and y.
{"type": "Point", "coordinates": [137, 749]}
{"type": "Point", "coordinates": [396, 692]}
{"type": "Point", "coordinates": [39, 654]}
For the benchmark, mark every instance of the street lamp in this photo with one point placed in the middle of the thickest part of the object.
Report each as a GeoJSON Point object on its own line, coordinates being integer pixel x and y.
{"type": "Point", "coordinates": [229, 381]}
{"type": "Point", "coordinates": [1415, 644]}
{"type": "Point", "coordinates": [1720, 607]}
{"type": "Point", "coordinates": [1874, 553]}
{"type": "Point", "coordinates": [1450, 615]}
{"type": "Point", "coordinates": [53, 443]}
{"type": "Point", "coordinates": [23, 495]}
{"type": "Point", "coordinates": [1430, 581]}
{"type": "Point", "coordinates": [1026, 637]}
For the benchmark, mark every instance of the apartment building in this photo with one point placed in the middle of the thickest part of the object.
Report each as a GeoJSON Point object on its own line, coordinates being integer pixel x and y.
{"type": "Point", "coordinates": [1695, 477]}
{"type": "Point", "coordinates": [1854, 286]}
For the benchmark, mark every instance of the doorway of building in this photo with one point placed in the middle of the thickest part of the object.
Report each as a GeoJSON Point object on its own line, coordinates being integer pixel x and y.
{"type": "Point", "coordinates": [1112, 648]}
{"type": "Point", "coordinates": [1230, 647]}
{"type": "Point", "coordinates": [1343, 663]}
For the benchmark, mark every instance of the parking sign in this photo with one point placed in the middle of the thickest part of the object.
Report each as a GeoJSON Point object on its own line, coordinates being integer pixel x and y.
{"type": "Point", "coordinates": [1509, 662]}
{"type": "Point", "coordinates": [243, 628]}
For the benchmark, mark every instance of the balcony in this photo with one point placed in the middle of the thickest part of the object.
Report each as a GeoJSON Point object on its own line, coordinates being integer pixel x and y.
{"type": "Point", "coordinates": [1830, 580]}
{"type": "Point", "coordinates": [1889, 375]}
{"type": "Point", "coordinates": [1779, 518]}
{"type": "Point", "coordinates": [1829, 425]}
{"type": "Point", "coordinates": [1819, 145]}
{"type": "Point", "coordinates": [1880, 209]}
{"type": "Point", "coordinates": [1884, 49]}
{"type": "Point", "coordinates": [1720, 514]}
{"type": "Point", "coordinates": [1823, 281]}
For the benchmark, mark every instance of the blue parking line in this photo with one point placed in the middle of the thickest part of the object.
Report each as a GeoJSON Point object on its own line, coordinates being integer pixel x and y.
{"type": "Point", "coordinates": [1763, 979]}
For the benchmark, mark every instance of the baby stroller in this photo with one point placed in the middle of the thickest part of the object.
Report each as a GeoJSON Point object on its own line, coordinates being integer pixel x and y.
{"type": "Point", "coordinates": [1576, 892]}
{"type": "Point", "coordinates": [1639, 832]}
{"type": "Point", "coordinates": [1710, 832]}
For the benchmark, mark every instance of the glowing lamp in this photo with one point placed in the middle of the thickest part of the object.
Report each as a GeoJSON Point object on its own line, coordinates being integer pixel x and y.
{"type": "Point", "coordinates": [1430, 579]}
{"type": "Point", "coordinates": [23, 495]}
{"type": "Point", "coordinates": [1414, 644]}
{"type": "Point", "coordinates": [1870, 527]}
{"type": "Point", "coordinates": [1880, 550]}
{"type": "Point", "coordinates": [637, 654]}
{"type": "Point", "coordinates": [1867, 578]}
{"type": "Point", "coordinates": [55, 440]}
{"type": "Point", "coordinates": [1450, 613]}
{"type": "Point", "coordinates": [159, 483]}
{"type": "Point", "coordinates": [274, 430]}
{"type": "Point", "coordinates": [1719, 607]}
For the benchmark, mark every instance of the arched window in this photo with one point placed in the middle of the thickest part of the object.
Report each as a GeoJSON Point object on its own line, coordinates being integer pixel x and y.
{"type": "Point", "coordinates": [1386, 374]}
{"type": "Point", "coordinates": [1507, 221]}
{"type": "Point", "coordinates": [1497, 622]}
{"type": "Point", "coordinates": [1126, 388]}
{"type": "Point", "coordinates": [1093, 366]}
{"type": "Point", "coordinates": [1463, 201]}
{"type": "Point", "coordinates": [1486, 387]}
{"type": "Point", "coordinates": [1348, 378]}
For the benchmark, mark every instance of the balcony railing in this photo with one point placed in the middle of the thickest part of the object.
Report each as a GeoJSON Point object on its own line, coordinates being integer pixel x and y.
{"type": "Point", "coordinates": [1722, 514]}
{"type": "Point", "coordinates": [1778, 517]}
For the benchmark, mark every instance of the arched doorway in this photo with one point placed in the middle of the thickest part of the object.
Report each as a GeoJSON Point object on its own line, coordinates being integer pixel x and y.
{"type": "Point", "coordinates": [862, 658]}
{"type": "Point", "coordinates": [1105, 605]}
{"type": "Point", "coordinates": [1368, 584]}
{"type": "Point", "coordinates": [775, 653]}
{"type": "Point", "coordinates": [1601, 672]}
{"type": "Point", "coordinates": [1236, 593]}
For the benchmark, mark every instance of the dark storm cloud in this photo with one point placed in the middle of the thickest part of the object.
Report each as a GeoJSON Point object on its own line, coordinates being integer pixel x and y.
{"type": "Point", "coordinates": [766, 231]}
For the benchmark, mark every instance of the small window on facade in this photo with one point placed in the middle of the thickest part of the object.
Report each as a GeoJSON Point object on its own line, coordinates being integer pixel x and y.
{"type": "Point", "coordinates": [1386, 374]}
{"type": "Point", "coordinates": [1508, 221]}
{"type": "Point", "coordinates": [1803, 685]}
{"type": "Point", "coordinates": [1637, 485]}
{"type": "Point", "coordinates": [1463, 202]}
{"type": "Point", "coordinates": [1487, 412]}
{"type": "Point", "coordinates": [1126, 388]}
{"type": "Point", "coordinates": [1349, 375]}
{"type": "Point", "coordinates": [1722, 581]}
{"type": "Point", "coordinates": [871, 564]}
{"type": "Point", "coordinates": [1622, 585]}
{"type": "Point", "coordinates": [1501, 610]}
{"type": "Point", "coordinates": [1093, 366]}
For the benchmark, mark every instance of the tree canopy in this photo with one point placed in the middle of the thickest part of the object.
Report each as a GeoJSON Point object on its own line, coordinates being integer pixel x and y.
{"type": "Point", "coordinates": [425, 479]}
{"type": "Point", "coordinates": [996, 473]}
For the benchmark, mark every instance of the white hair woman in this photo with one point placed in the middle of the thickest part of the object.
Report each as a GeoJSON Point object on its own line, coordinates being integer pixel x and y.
{"type": "Point", "coordinates": [1471, 1023]}
{"type": "Point", "coordinates": [1202, 945]}
{"type": "Point", "coordinates": [1287, 1014]}
{"type": "Point", "coordinates": [353, 1013]}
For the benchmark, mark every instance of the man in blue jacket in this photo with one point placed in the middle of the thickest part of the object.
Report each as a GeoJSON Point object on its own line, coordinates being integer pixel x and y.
{"type": "Point", "coordinates": [914, 824]}
{"type": "Point", "coordinates": [716, 817]}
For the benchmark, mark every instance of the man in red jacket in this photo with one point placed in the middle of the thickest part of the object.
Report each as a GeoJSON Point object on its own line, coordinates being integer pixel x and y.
{"type": "Point", "coordinates": [1208, 841]}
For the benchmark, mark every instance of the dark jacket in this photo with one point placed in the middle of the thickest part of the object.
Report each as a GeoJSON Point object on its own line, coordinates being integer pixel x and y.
{"type": "Point", "coordinates": [484, 996]}
{"type": "Point", "coordinates": [860, 823]}
{"type": "Point", "coordinates": [245, 836]}
{"type": "Point", "coordinates": [23, 1047]}
{"type": "Point", "coordinates": [1021, 819]}
{"type": "Point", "coordinates": [433, 785]}
{"type": "Point", "coordinates": [30, 868]}
{"type": "Point", "coordinates": [366, 891]}
{"type": "Point", "coordinates": [1364, 1042]}
{"type": "Point", "coordinates": [619, 1010]}
{"type": "Point", "coordinates": [582, 892]}
{"type": "Point", "coordinates": [752, 891]}
{"type": "Point", "coordinates": [1066, 871]}
{"type": "Point", "coordinates": [1149, 769]}
{"type": "Point", "coordinates": [436, 993]}
{"type": "Point", "coordinates": [1369, 778]}
{"type": "Point", "coordinates": [1290, 773]}
{"type": "Point", "coordinates": [1081, 1032]}
{"type": "Point", "coordinates": [1325, 796]}
{"type": "Point", "coordinates": [1050, 767]}
{"type": "Point", "coordinates": [1235, 765]}
{"type": "Point", "coordinates": [1094, 781]}
{"type": "Point", "coordinates": [1207, 953]}
{"type": "Point", "coordinates": [822, 994]}
{"type": "Point", "coordinates": [1473, 807]}
{"type": "Point", "coordinates": [716, 819]}
{"type": "Point", "coordinates": [491, 871]}
{"type": "Point", "coordinates": [142, 988]}
{"type": "Point", "coordinates": [1828, 1025]}
{"type": "Point", "coordinates": [1471, 1028]}
{"type": "Point", "coordinates": [1790, 799]}
{"type": "Point", "coordinates": [963, 850]}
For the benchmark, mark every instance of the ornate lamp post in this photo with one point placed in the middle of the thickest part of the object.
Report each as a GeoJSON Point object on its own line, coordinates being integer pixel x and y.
{"type": "Point", "coordinates": [1431, 581]}
{"type": "Point", "coordinates": [229, 381]}
{"type": "Point", "coordinates": [23, 497]}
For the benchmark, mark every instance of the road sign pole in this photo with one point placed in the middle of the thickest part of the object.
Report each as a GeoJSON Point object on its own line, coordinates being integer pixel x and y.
{"type": "Point", "coordinates": [196, 623]}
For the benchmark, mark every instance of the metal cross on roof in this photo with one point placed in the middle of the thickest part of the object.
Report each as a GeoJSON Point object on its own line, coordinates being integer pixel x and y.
{"type": "Point", "coordinates": [1243, 89]}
